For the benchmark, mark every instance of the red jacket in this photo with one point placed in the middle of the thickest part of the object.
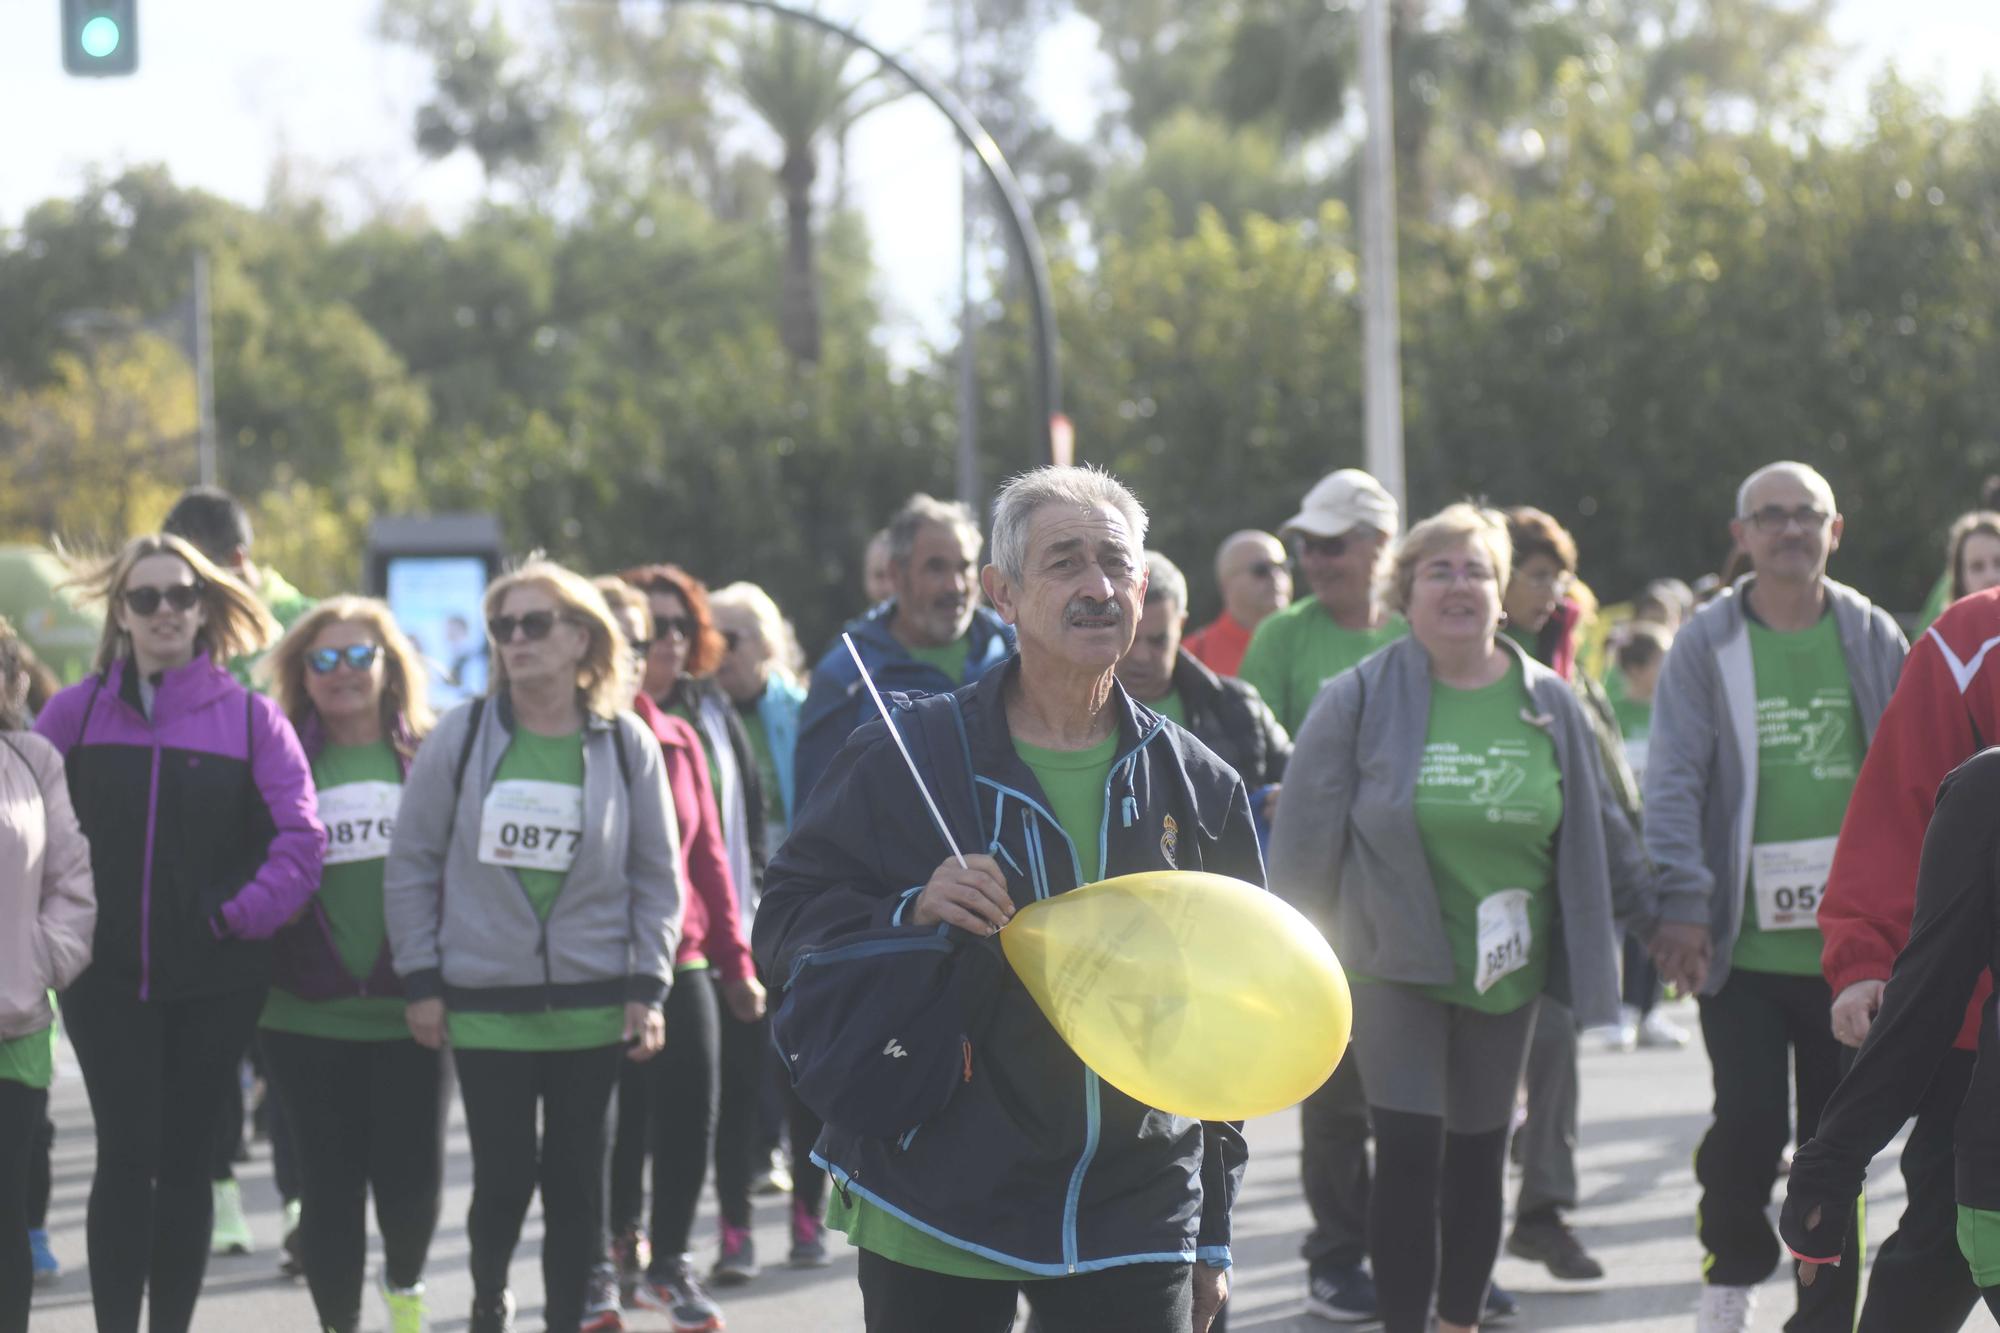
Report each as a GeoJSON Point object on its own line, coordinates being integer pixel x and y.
{"type": "Point", "coordinates": [711, 925]}
{"type": "Point", "coordinates": [1945, 710]}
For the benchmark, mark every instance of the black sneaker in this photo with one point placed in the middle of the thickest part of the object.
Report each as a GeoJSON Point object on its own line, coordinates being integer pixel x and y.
{"type": "Point", "coordinates": [1342, 1294]}
{"type": "Point", "coordinates": [494, 1316]}
{"type": "Point", "coordinates": [1549, 1241]}
{"type": "Point", "coordinates": [1501, 1308]}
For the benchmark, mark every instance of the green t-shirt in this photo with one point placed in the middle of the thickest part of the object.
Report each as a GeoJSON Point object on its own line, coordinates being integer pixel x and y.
{"type": "Point", "coordinates": [1299, 649]}
{"type": "Point", "coordinates": [358, 786]}
{"type": "Point", "coordinates": [1488, 804]}
{"type": "Point", "coordinates": [767, 773]}
{"type": "Point", "coordinates": [686, 713]}
{"type": "Point", "coordinates": [948, 658]}
{"type": "Point", "coordinates": [1074, 782]}
{"type": "Point", "coordinates": [1172, 707]}
{"type": "Point", "coordinates": [1635, 716]}
{"type": "Point", "coordinates": [532, 758]}
{"type": "Point", "coordinates": [30, 1060]}
{"type": "Point", "coordinates": [1809, 747]}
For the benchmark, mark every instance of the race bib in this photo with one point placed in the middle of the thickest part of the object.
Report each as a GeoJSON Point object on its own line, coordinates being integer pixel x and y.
{"type": "Point", "coordinates": [360, 818]}
{"type": "Point", "coordinates": [531, 825]}
{"type": "Point", "coordinates": [1789, 879]}
{"type": "Point", "coordinates": [1505, 937]}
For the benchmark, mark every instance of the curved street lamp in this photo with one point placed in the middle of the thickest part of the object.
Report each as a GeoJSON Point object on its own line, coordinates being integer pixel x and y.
{"type": "Point", "coordinates": [1019, 216]}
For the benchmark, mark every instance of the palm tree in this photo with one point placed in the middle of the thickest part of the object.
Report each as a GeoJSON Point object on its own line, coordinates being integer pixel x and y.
{"type": "Point", "coordinates": [796, 80]}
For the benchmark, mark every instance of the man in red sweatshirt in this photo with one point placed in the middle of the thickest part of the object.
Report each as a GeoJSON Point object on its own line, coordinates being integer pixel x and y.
{"type": "Point", "coordinates": [1946, 709]}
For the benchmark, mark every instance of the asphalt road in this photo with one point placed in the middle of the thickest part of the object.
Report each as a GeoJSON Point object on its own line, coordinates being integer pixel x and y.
{"type": "Point", "coordinates": [1643, 1114]}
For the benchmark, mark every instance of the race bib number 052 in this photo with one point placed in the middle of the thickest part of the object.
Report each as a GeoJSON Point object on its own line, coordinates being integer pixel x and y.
{"type": "Point", "coordinates": [360, 818]}
{"type": "Point", "coordinates": [1789, 879]}
{"type": "Point", "coordinates": [532, 825]}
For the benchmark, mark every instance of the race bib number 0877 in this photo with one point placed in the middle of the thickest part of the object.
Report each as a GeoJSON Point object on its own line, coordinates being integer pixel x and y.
{"type": "Point", "coordinates": [532, 825]}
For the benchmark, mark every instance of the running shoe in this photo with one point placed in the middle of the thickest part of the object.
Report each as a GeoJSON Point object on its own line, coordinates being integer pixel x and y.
{"type": "Point", "coordinates": [1725, 1309]}
{"type": "Point", "coordinates": [1501, 1307]}
{"type": "Point", "coordinates": [47, 1267]}
{"type": "Point", "coordinates": [775, 1178]}
{"type": "Point", "coordinates": [231, 1234]}
{"type": "Point", "coordinates": [494, 1316]}
{"type": "Point", "coordinates": [808, 1238]}
{"type": "Point", "coordinates": [1547, 1240]}
{"type": "Point", "coordinates": [1657, 1032]}
{"type": "Point", "coordinates": [1341, 1294]}
{"type": "Point", "coordinates": [291, 1259]}
{"type": "Point", "coordinates": [737, 1263]}
{"type": "Point", "coordinates": [673, 1289]}
{"type": "Point", "coordinates": [631, 1255]}
{"type": "Point", "coordinates": [601, 1310]}
{"type": "Point", "coordinates": [406, 1307]}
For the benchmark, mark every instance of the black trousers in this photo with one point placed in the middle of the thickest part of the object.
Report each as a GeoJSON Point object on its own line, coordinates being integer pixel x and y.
{"type": "Point", "coordinates": [503, 1091]}
{"type": "Point", "coordinates": [1437, 1233]}
{"type": "Point", "coordinates": [153, 1070]}
{"type": "Point", "coordinates": [1333, 1167]}
{"type": "Point", "coordinates": [746, 1058]}
{"type": "Point", "coordinates": [667, 1106]}
{"type": "Point", "coordinates": [1759, 1029]}
{"type": "Point", "coordinates": [41, 1180]}
{"type": "Point", "coordinates": [23, 1112]}
{"type": "Point", "coordinates": [1918, 1281]}
{"type": "Point", "coordinates": [1135, 1298]}
{"type": "Point", "coordinates": [368, 1114]}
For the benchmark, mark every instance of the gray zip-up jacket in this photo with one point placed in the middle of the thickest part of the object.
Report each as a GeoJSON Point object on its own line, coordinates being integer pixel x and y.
{"type": "Point", "coordinates": [1701, 769]}
{"type": "Point", "coordinates": [465, 930]}
{"type": "Point", "coordinates": [1346, 850]}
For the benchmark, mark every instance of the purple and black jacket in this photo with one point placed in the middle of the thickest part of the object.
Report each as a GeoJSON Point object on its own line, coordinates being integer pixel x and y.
{"type": "Point", "coordinates": [203, 827]}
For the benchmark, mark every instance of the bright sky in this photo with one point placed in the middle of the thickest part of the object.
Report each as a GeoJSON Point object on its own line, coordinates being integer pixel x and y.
{"type": "Point", "coordinates": [229, 87]}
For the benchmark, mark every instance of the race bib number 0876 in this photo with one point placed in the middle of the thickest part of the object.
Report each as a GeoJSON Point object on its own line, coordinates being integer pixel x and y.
{"type": "Point", "coordinates": [532, 825]}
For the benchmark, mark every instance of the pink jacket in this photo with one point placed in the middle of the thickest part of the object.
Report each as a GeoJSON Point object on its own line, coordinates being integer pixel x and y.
{"type": "Point", "coordinates": [48, 906]}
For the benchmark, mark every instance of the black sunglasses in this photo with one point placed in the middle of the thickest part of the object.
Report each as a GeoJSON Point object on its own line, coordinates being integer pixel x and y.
{"type": "Point", "coordinates": [685, 626]}
{"type": "Point", "coordinates": [180, 596]}
{"type": "Point", "coordinates": [1265, 569]}
{"type": "Point", "coordinates": [640, 647]}
{"type": "Point", "coordinates": [1329, 548]}
{"type": "Point", "coordinates": [535, 626]}
{"type": "Point", "coordinates": [359, 656]}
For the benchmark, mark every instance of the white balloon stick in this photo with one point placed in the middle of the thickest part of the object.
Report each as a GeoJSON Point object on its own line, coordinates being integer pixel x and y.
{"type": "Point", "coordinates": [897, 736]}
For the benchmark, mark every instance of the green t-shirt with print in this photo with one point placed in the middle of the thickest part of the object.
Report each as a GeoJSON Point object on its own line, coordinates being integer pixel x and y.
{"type": "Point", "coordinates": [1074, 782]}
{"type": "Point", "coordinates": [356, 783]}
{"type": "Point", "coordinates": [559, 759]}
{"type": "Point", "coordinates": [948, 658]}
{"type": "Point", "coordinates": [1809, 748]}
{"type": "Point", "coordinates": [1299, 649]}
{"type": "Point", "coordinates": [1488, 804]}
{"type": "Point", "coordinates": [30, 1060]}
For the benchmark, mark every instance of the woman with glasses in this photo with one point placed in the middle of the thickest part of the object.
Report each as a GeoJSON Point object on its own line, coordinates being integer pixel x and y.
{"type": "Point", "coordinates": [1446, 818]}
{"type": "Point", "coordinates": [533, 900]}
{"type": "Point", "coordinates": [365, 1101]}
{"type": "Point", "coordinates": [198, 804]}
{"type": "Point", "coordinates": [679, 677]}
{"type": "Point", "coordinates": [668, 1107]}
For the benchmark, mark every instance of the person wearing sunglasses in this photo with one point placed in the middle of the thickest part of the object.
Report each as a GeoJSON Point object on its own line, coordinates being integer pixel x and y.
{"type": "Point", "coordinates": [366, 1102]}
{"type": "Point", "coordinates": [198, 803]}
{"type": "Point", "coordinates": [533, 896]}
{"type": "Point", "coordinates": [681, 664]}
{"type": "Point", "coordinates": [1445, 817]}
{"type": "Point", "coordinates": [1768, 702]}
{"type": "Point", "coordinates": [668, 1106]}
{"type": "Point", "coordinates": [1255, 576]}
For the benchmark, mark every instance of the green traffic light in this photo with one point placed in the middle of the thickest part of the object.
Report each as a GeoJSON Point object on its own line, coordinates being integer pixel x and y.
{"type": "Point", "coordinates": [99, 37]}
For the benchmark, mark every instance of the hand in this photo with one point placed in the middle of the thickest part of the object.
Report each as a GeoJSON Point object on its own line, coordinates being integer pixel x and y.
{"type": "Point", "coordinates": [973, 897]}
{"type": "Point", "coordinates": [1681, 952]}
{"type": "Point", "coordinates": [745, 998]}
{"type": "Point", "coordinates": [1211, 1289]}
{"type": "Point", "coordinates": [425, 1019]}
{"type": "Point", "coordinates": [645, 1030]}
{"type": "Point", "coordinates": [1808, 1270]}
{"type": "Point", "coordinates": [1271, 803]}
{"type": "Point", "coordinates": [1854, 1011]}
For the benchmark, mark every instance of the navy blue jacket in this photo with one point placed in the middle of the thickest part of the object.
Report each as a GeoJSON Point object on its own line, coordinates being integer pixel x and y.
{"type": "Point", "coordinates": [837, 702]}
{"type": "Point", "coordinates": [1034, 1162]}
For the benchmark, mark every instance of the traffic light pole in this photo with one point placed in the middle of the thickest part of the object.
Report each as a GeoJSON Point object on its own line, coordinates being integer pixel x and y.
{"type": "Point", "coordinates": [1018, 215]}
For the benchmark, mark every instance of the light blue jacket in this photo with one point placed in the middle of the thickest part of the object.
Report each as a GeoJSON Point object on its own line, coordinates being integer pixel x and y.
{"type": "Point", "coordinates": [779, 711]}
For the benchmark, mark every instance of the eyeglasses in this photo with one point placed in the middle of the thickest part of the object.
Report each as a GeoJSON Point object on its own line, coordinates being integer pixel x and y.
{"type": "Point", "coordinates": [1266, 569]}
{"type": "Point", "coordinates": [1327, 548]}
{"type": "Point", "coordinates": [180, 596]}
{"type": "Point", "coordinates": [1558, 581]}
{"type": "Point", "coordinates": [685, 627]}
{"type": "Point", "coordinates": [1776, 518]}
{"type": "Point", "coordinates": [358, 656]}
{"type": "Point", "coordinates": [535, 626]}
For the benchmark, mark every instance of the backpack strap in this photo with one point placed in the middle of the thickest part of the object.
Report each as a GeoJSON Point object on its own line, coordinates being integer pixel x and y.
{"type": "Point", "coordinates": [624, 761]}
{"type": "Point", "coordinates": [465, 750]}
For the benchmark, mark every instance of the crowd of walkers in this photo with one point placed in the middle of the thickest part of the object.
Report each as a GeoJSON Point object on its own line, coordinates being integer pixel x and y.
{"type": "Point", "coordinates": [246, 842]}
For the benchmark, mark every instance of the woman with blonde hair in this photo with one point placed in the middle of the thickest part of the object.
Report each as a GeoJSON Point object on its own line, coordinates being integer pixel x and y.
{"type": "Point", "coordinates": [198, 804]}
{"type": "Point", "coordinates": [533, 896]}
{"type": "Point", "coordinates": [365, 1102]}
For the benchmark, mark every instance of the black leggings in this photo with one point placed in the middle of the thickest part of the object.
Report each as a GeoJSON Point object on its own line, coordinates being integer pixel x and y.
{"type": "Point", "coordinates": [368, 1113]}
{"type": "Point", "coordinates": [41, 1180]}
{"type": "Point", "coordinates": [667, 1105]}
{"type": "Point", "coordinates": [502, 1091]}
{"type": "Point", "coordinates": [746, 1056]}
{"type": "Point", "coordinates": [153, 1070]}
{"type": "Point", "coordinates": [1435, 1218]}
{"type": "Point", "coordinates": [1132, 1298]}
{"type": "Point", "coordinates": [23, 1112]}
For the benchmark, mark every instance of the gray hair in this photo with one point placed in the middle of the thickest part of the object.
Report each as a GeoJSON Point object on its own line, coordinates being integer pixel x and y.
{"type": "Point", "coordinates": [1807, 474]}
{"type": "Point", "coordinates": [1080, 487]}
{"type": "Point", "coordinates": [919, 512]}
{"type": "Point", "coordinates": [776, 631]}
{"type": "Point", "coordinates": [1165, 582]}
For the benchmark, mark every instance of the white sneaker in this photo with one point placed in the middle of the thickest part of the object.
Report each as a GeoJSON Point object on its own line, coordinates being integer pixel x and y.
{"type": "Point", "coordinates": [1658, 1032]}
{"type": "Point", "coordinates": [1620, 1036]}
{"type": "Point", "coordinates": [1725, 1309]}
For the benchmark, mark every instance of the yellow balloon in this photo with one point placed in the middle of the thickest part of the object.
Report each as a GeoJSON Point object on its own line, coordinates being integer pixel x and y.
{"type": "Point", "coordinates": [1194, 993]}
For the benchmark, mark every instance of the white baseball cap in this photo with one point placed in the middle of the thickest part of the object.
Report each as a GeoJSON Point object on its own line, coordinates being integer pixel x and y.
{"type": "Point", "coordinates": [1342, 501]}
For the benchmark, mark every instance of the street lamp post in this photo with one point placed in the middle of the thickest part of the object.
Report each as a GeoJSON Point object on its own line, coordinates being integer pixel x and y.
{"type": "Point", "coordinates": [1018, 215]}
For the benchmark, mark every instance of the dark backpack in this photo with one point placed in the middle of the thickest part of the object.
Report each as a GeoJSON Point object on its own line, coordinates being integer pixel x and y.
{"type": "Point", "coordinates": [878, 1027]}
